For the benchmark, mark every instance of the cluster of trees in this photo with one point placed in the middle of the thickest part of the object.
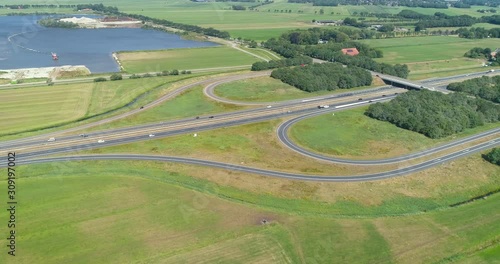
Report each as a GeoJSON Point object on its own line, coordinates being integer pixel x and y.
{"type": "Point", "coordinates": [435, 114]}
{"type": "Point", "coordinates": [163, 73]}
{"type": "Point", "coordinates": [493, 156]}
{"type": "Point", "coordinates": [331, 52]}
{"type": "Point", "coordinates": [486, 10]}
{"type": "Point", "coordinates": [50, 22]}
{"type": "Point", "coordinates": [98, 7]}
{"type": "Point", "coordinates": [238, 7]}
{"type": "Point", "coordinates": [478, 33]}
{"type": "Point", "coordinates": [478, 53]}
{"type": "Point", "coordinates": [263, 65]}
{"type": "Point", "coordinates": [443, 20]}
{"type": "Point", "coordinates": [483, 87]}
{"type": "Point", "coordinates": [325, 76]}
{"type": "Point", "coordinates": [495, 19]}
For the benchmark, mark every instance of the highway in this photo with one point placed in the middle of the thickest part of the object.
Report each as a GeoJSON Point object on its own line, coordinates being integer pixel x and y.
{"type": "Point", "coordinates": [37, 147]}
{"type": "Point", "coordinates": [270, 173]}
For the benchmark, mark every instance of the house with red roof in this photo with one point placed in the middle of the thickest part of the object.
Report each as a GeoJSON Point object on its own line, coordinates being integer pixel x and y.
{"type": "Point", "coordinates": [350, 51]}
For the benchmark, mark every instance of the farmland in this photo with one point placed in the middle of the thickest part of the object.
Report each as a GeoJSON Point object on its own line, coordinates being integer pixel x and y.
{"type": "Point", "coordinates": [184, 222]}
{"type": "Point", "coordinates": [432, 56]}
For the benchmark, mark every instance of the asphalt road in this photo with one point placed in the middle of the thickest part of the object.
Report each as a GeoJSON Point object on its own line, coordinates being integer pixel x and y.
{"type": "Point", "coordinates": [271, 173]}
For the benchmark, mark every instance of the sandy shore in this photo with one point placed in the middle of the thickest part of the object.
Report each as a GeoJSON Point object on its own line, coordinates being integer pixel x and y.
{"type": "Point", "coordinates": [44, 72]}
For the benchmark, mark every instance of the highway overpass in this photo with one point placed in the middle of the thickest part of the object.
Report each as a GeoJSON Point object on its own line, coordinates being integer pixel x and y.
{"type": "Point", "coordinates": [400, 82]}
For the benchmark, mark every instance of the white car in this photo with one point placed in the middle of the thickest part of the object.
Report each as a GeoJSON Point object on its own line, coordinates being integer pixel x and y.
{"type": "Point", "coordinates": [51, 139]}
{"type": "Point", "coordinates": [100, 141]}
{"type": "Point", "coordinates": [269, 106]}
{"type": "Point", "coordinates": [151, 135]}
{"type": "Point", "coordinates": [323, 106]}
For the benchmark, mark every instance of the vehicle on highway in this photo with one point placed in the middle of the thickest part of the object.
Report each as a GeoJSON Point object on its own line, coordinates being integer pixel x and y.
{"type": "Point", "coordinates": [197, 117]}
{"type": "Point", "coordinates": [142, 107]}
{"type": "Point", "coordinates": [370, 101]}
{"type": "Point", "coordinates": [269, 106]}
{"type": "Point", "coordinates": [100, 141]}
{"type": "Point", "coordinates": [383, 95]}
{"type": "Point", "coordinates": [360, 99]}
{"type": "Point", "coordinates": [51, 139]}
{"type": "Point", "coordinates": [492, 70]}
{"type": "Point", "coordinates": [211, 117]}
{"type": "Point", "coordinates": [323, 106]}
{"type": "Point", "coordinates": [84, 135]}
{"type": "Point", "coordinates": [151, 135]}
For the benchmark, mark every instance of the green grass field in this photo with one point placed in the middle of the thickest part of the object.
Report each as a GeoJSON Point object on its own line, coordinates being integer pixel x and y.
{"type": "Point", "coordinates": [432, 56]}
{"type": "Point", "coordinates": [184, 59]}
{"type": "Point", "coordinates": [429, 48]}
{"type": "Point", "coordinates": [44, 106]}
{"type": "Point", "coordinates": [266, 89]}
{"type": "Point", "coordinates": [170, 218]}
{"type": "Point", "coordinates": [189, 104]}
{"type": "Point", "coordinates": [352, 134]}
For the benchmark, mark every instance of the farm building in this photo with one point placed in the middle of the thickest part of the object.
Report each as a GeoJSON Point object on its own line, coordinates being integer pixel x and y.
{"type": "Point", "coordinates": [350, 51]}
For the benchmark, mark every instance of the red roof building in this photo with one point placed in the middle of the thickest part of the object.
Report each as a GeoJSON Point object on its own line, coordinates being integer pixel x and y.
{"type": "Point", "coordinates": [350, 51]}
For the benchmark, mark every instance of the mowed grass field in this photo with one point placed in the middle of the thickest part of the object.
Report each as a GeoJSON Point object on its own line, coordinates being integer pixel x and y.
{"type": "Point", "coordinates": [184, 59]}
{"type": "Point", "coordinates": [171, 219]}
{"type": "Point", "coordinates": [27, 109]}
{"type": "Point", "coordinates": [432, 56]}
{"type": "Point", "coordinates": [354, 135]}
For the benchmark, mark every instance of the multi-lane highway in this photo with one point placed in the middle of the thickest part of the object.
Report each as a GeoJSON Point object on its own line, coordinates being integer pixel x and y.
{"type": "Point", "coordinates": [33, 148]}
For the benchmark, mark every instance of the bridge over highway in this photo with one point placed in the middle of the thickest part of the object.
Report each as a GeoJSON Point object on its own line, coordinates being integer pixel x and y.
{"type": "Point", "coordinates": [400, 82]}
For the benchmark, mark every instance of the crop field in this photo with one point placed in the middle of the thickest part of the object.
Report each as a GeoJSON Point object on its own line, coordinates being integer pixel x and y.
{"type": "Point", "coordinates": [171, 218]}
{"type": "Point", "coordinates": [44, 106]}
{"type": "Point", "coordinates": [30, 108]}
{"type": "Point", "coordinates": [184, 59]}
{"type": "Point", "coordinates": [429, 48]}
{"type": "Point", "coordinates": [432, 56]}
{"type": "Point", "coordinates": [352, 134]}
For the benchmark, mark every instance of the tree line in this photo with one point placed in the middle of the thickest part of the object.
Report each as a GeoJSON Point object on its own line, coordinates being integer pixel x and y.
{"type": "Point", "coordinates": [478, 33]}
{"type": "Point", "coordinates": [325, 76]}
{"type": "Point", "coordinates": [265, 65]}
{"type": "Point", "coordinates": [408, 3]}
{"type": "Point", "coordinates": [485, 87]}
{"type": "Point", "coordinates": [162, 22]}
{"type": "Point", "coordinates": [435, 114]}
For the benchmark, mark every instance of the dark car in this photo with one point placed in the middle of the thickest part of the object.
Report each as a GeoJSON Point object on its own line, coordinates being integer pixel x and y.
{"type": "Point", "coordinates": [383, 95]}
{"type": "Point", "coordinates": [211, 117]}
{"type": "Point", "coordinates": [360, 99]}
{"type": "Point", "coordinates": [197, 117]}
{"type": "Point", "coordinates": [142, 107]}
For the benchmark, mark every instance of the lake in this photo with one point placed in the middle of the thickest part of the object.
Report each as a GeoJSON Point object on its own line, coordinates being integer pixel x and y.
{"type": "Point", "coordinates": [25, 44]}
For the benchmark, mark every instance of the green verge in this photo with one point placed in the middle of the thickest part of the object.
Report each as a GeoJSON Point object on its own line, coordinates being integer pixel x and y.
{"type": "Point", "coordinates": [352, 134]}
{"type": "Point", "coordinates": [79, 203]}
{"type": "Point", "coordinates": [189, 104]}
{"type": "Point", "coordinates": [267, 89]}
{"type": "Point", "coordinates": [184, 59]}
